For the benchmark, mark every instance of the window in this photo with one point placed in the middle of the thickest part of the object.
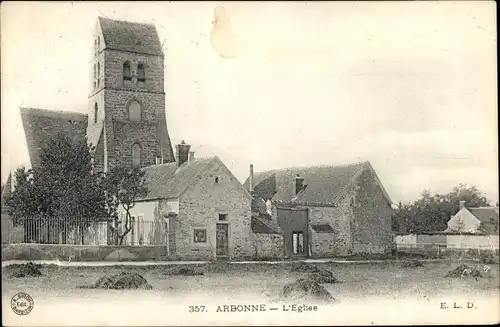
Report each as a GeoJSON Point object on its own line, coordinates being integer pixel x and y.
{"type": "Point", "coordinates": [98, 74]}
{"type": "Point", "coordinates": [95, 76]}
{"type": "Point", "coordinates": [96, 111]}
{"type": "Point", "coordinates": [98, 43]}
{"type": "Point", "coordinates": [216, 180]}
{"type": "Point", "coordinates": [222, 217]}
{"type": "Point", "coordinates": [134, 111]}
{"type": "Point", "coordinates": [141, 74]}
{"type": "Point", "coordinates": [136, 155]}
{"type": "Point", "coordinates": [200, 235]}
{"type": "Point", "coordinates": [127, 75]}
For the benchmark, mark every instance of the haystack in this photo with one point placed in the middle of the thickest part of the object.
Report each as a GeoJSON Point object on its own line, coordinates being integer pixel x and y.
{"type": "Point", "coordinates": [120, 281]}
{"type": "Point", "coordinates": [305, 290]}
{"type": "Point", "coordinates": [26, 270]}
{"type": "Point", "coordinates": [323, 276]}
{"type": "Point", "coordinates": [411, 264]}
{"type": "Point", "coordinates": [183, 271]}
{"type": "Point", "coordinates": [459, 271]}
{"type": "Point", "coordinates": [304, 267]}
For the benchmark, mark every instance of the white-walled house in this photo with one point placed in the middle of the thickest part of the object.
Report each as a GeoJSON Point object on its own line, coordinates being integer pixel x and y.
{"type": "Point", "coordinates": [473, 227]}
{"type": "Point", "coordinates": [195, 207]}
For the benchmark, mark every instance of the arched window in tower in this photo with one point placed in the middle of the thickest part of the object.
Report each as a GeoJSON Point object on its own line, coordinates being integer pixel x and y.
{"type": "Point", "coordinates": [134, 111]}
{"type": "Point", "coordinates": [141, 73]}
{"type": "Point", "coordinates": [127, 74]}
{"type": "Point", "coordinates": [98, 74]}
{"type": "Point", "coordinates": [136, 155]}
{"type": "Point", "coordinates": [96, 112]}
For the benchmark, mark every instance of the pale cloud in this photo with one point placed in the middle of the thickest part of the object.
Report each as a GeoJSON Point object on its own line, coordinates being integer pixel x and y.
{"type": "Point", "coordinates": [410, 86]}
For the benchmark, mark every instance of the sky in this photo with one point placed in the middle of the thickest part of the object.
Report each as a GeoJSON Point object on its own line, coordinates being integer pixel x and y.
{"type": "Point", "coordinates": [409, 86]}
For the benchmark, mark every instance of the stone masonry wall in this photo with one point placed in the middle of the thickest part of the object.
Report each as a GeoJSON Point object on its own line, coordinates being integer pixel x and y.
{"type": "Point", "coordinates": [126, 132]}
{"type": "Point", "coordinates": [200, 206]}
{"type": "Point", "coordinates": [337, 243]}
{"type": "Point", "coordinates": [371, 226]}
{"type": "Point", "coordinates": [267, 246]}
{"type": "Point", "coordinates": [113, 70]}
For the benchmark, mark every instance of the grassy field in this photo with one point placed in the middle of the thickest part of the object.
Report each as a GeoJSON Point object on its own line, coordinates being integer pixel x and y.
{"type": "Point", "coordinates": [244, 283]}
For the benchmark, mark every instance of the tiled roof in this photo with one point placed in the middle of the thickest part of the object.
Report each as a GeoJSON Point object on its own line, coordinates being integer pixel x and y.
{"type": "Point", "coordinates": [130, 36]}
{"type": "Point", "coordinates": [41, 124]}
{"type": "Point", "coordinates": [488, 217]}
{"type": "Point", "coordinates": [325, 184]}
{"type": "Point", "coordinates": [262, 225]}
{"type": "Point", "coordinates": [166, 181]}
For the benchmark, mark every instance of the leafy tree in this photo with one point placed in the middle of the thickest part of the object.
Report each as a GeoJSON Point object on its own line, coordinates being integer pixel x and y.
{"type": "Point", "coordinates": [431, 212]}
{"type": "Point", "coordinates": [123, 186]}
{"type": "Point", "coordinates": [62, 191]}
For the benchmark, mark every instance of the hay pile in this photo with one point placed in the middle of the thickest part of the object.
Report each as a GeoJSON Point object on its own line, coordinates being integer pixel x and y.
{"type": "Point", "coordinates": [323, 276]}
{"type": "Point", "coordinates": [411, 264]}
{"type": "Point", "coordinates": [120, 281]}
{"type": "Point", "coordinates": [314, 273]}
{"type": "Point", "coordinates": [183, 271]}
{"type": "Point", "coordinates": [29, 269]}
{"type": "Point", "coordinates": [304, 267]}
{"type": "Point", "coordinates": [458, 271]}
{"type": "Point", "coordinates": [305, 290]}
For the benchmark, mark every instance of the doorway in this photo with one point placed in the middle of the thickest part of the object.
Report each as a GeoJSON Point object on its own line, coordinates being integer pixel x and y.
{"type": "Point", "coordinates": [222, 240]}
{"type": "Point", "coordinates": [298, 243]}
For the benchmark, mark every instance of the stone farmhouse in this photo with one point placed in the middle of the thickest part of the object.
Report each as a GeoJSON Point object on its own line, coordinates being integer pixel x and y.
{"type": "Point", "coordinates": [324, 211]}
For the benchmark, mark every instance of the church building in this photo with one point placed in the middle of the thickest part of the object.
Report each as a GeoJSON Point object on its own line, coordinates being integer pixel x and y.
{"type": "Point", "coordinates": [195, 207]}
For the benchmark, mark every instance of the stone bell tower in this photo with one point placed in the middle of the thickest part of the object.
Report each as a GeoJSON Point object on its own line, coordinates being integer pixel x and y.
{"type": "Point", "coordinates": [126, 120]}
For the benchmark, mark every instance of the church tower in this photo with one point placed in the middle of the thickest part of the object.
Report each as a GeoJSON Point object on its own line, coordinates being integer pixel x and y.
{"type": "Point", "coordinates": [126, 120]}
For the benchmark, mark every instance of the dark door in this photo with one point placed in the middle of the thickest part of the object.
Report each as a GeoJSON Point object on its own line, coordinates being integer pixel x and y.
{"type": "Point", "coordinates": [222, 240]}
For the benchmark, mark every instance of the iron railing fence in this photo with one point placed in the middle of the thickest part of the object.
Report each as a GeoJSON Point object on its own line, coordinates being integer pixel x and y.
{"type": "Point", "coordinates": [82, 231]}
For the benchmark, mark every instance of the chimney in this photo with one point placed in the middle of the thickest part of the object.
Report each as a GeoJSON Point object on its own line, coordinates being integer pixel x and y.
{"type": "Point", "coordinates": [462, 205]}
{"type": "Point", "coordinates": [299, 184]}
{"type": "Point", "coordinates": [191, 156]}
{"type": "Point", "coordinates": [250, 180]}
{"type": "Point", "coordinates": [182, 153]}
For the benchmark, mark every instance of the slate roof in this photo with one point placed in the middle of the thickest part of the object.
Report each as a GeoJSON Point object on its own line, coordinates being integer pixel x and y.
{"type": "Point", "coordinates": [262, 225]}
{"type": "Point", "coordinates": [42, 124]}
{"type": "Point", "coordinates": [166, 181]}
{"type": "Point", "coordinates": [325, 184]}
{"type": "Point", "coordinates": [488, 217]}
{"type": "Point", "coordinates": [130, 36]}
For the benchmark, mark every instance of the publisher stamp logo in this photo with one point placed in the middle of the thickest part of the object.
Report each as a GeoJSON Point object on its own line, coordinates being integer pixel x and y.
{"type": "Point", "coordinates": [22, 303]}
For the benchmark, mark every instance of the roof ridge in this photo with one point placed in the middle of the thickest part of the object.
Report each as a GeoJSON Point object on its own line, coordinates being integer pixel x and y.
{"type": "Point", "coordinates": [125, 21]}
{"type": "Point", "coordinates": [52, 111]}
{"type": "Point", "coordinates": [358, 163]}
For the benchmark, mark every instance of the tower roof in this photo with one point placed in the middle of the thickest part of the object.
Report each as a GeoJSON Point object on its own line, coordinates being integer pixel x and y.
{"type": "Point", "coordinates": [130, 36]}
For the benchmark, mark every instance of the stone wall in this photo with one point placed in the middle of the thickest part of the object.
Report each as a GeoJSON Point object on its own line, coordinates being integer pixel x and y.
{"type": "Point", "coordinates": [371, 226]}
{"type": "Point", "coordinates": [64, 252]}
{"type": "Point", "coordinates": [113, 70]}
{"type": "Point", "coordinates": [267, 246]}
{"type": "Point", "coordinates": [199, 208]}
{"type": "Point", "coordinates": [336, 243]}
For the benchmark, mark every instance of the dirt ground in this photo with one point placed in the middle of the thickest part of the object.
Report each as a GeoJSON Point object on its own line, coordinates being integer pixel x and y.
{"type": "Point", "coordinates": [241, 283]}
